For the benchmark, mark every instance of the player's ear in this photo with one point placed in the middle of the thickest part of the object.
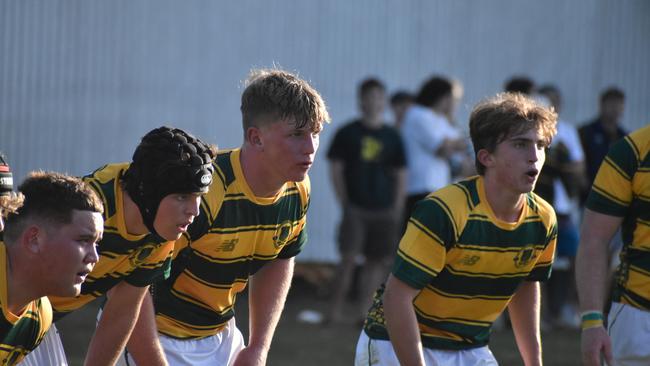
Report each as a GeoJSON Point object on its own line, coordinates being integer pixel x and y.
{"type": "Point", "coordinates": [254, 137]}
{"type": "Point", "coordinates": [485, 157]}
{"type": "Point", "coordinates": [32, 238]}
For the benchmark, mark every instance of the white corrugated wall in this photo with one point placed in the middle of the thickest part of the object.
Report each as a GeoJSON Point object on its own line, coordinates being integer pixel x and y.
{"type": "Point", "coordinates": [82, 80]}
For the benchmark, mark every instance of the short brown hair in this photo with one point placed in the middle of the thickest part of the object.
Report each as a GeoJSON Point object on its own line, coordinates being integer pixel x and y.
{"type": "Point", "coordinates": [273, 94]}
{"type": "Point", "coordinates": [507, 114]}
{"type": "Point", "coordinates": [51, 197]}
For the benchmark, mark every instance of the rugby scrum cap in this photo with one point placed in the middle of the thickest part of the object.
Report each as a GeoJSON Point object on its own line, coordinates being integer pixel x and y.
{"type": "Point", "coordinates": [6, 178]}
{"type": "Point", "coordinates": [167, 161]}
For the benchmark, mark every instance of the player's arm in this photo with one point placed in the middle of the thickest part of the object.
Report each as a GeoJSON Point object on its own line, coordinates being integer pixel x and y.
{"type": "Point", "coordinates": [524, 315]}
{"type": "Point", "coordinates": [266, 296]}
{"type": "Point", "coordinates": [144, 345]}
{"type": "Point", "coordinates": [119, 315]}
{"type": "Point", "coordinates": [338, 181]}
{"type": "Point", "coordinates": [401, 322]}
{"type": "Point", "coordinates": [592, 277]}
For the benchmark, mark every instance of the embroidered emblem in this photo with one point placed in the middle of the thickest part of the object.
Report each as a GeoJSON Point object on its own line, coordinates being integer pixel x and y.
{"type": "Point", "coordinates": [525, 256]}
{"type": "Point", "coordinates": [282, 234]}
{"type": "Point", "coordinates": [141, 254]}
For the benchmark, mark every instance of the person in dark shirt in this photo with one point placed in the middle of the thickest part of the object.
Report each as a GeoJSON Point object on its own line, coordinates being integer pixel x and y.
{"type": "Point", "coordinates": [368, 170]}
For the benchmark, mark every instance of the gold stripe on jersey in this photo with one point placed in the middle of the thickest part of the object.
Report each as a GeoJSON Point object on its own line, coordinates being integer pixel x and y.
{"type": "Point", "coordinates": [235, 235]}
{"type": "Point", "coordinates": [137, 259]}
{"type": "Point", "coordinates": [20, 334]}
{"type": "Point", "coordinates": [467, 264]}
{"type": "Point", "coordinates": [622, 189]}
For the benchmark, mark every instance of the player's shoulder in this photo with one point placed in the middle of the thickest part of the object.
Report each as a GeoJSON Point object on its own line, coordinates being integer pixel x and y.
{"type": "Point", "coordinates": [457, 199]}
{"type": "Point", "coordinates": [107, 173]}
{"type": "Point", "coordinates": [542, 208]}
{"type": "Point", "coordinates": [639, 141]}
{"type": "Point", "coordinates": [224, 172]}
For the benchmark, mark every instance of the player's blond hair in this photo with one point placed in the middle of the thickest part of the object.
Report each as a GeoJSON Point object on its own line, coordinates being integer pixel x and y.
{"type": "Point", "coordinates": [495, 119]}
{"type": "Point", "coordinates": [272, 95]}
{"type": "Point", "coordinates": [9, 203]}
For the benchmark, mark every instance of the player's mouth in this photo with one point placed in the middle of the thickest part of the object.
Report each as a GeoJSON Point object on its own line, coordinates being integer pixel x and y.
{"type": "Point", "coordinates": [81, 276]}
{"type": "Point", "coordinates": [183, 227]}
{"type": "Point", "coordinates": [305, 165]}
{"type": "Point", "coordinates": [532, 174]}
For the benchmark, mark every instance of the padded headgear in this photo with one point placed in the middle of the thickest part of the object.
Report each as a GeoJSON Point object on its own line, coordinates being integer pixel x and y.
{"type": "Point", "coordinates": [6, 178]}
{"type": "Point", "coordinates": [167, 161]}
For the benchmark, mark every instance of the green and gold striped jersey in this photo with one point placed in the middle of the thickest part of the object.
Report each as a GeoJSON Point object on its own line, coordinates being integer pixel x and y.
{"type": "Point", "coordinates": [20, 334]}
{"type": "Point", "coordinates": [233, 237]}
{"type": "Point", "coordinates": [467, 263]}
{"type": "Point", "coordinates": [622, 189]}
{"type": "Point", "coordinates": [139, 260]}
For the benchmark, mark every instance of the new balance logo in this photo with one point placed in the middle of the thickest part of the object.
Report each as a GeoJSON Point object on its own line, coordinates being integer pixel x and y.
{"type": "Point", "coordinates": [227, 246]}
{"type": "Point", "coordinates": [469, 260]}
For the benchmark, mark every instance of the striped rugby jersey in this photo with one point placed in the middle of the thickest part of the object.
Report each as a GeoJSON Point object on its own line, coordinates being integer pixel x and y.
{"type": "Point", "coordinates": [139, 260]}
{"type": "Point", "coordinates": [233, 237]}
{"type": "Point", "coordinates": [622, 189]}
{"type": "Point", "coordinates": [20, 334]}
{"type": "Point", "coordinates": [467, 264]}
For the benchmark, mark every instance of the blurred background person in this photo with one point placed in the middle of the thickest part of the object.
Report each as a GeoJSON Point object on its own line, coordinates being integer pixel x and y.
{"type": "Point", "coordinates": [429, 139]}
{"type": "Point", "coordinates": [560, 182]}
{"type": "Point", "coordinates": [367, 166]}
{"type": "Point", "coordinates": [598, 135]}
{"type": "Point", "coordinates": [400, 102]}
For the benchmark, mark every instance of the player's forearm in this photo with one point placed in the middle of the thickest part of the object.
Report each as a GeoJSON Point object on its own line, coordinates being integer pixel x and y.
{"type": "Point", "coordinates": [592, 261]}
{"type": "Point", "coordinates": [402, 325]}
{"type": "Point", "coordinates": [114, 328]}
{"type": "Point", "coordinates": [267, 294]}
{"type": "Point", "coordinates": [143, 344]}
{"type": "Point", "coordinates": [524, 310]}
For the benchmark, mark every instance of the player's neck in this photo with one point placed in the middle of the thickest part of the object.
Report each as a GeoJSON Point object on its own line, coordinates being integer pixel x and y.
{"type": "Point", "coordinates": [22, 282]}
{"type": "Point", "coordinates": [132, 216]}
{"type": "Point", "coordinates": [506, 205]}
{"type": "Point", "coordinates": [258, 176]}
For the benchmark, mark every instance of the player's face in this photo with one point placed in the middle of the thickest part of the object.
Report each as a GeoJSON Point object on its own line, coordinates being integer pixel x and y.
{"type": "Point", "coordinates": [175, 213]}
{"type": "Point", "coordinates": [288, 151]}
{"type": "Point", "coordinates": [69, 252]}
{"type": "Point", "coordinates": [517, 161]}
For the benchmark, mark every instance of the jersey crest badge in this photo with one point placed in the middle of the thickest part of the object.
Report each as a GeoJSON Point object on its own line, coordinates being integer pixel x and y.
{"type": "Point", "coordinates": [525, 256]}
{"type": "Point", "coordinates": [282, 234]}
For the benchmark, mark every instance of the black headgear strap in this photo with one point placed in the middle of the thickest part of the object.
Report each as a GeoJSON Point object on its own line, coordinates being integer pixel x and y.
{"type": "Point", "coordinates": [167, 161]}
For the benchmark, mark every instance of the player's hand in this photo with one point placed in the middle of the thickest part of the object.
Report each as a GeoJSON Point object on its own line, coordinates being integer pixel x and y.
{"type": "Point", "coordinates": [250, 356]}
{"type": "Point", "coordinates": [594, 342]}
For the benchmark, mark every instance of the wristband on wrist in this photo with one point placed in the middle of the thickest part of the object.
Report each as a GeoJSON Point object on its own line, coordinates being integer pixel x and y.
{"type": "Point", "coordinates": [591, 319]}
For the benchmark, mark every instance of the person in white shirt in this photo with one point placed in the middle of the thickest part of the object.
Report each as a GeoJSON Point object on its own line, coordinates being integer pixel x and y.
{"type": "Point", "coordinates": [429, 140]}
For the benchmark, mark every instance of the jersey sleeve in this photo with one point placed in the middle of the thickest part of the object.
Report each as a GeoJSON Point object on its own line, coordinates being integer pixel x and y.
{"type": "Point", "coordinates": [422, 251]}
{"type": "Point", "coordinates": [155, 267]}
{"type": "Point", "coordinates": [611, 193]}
